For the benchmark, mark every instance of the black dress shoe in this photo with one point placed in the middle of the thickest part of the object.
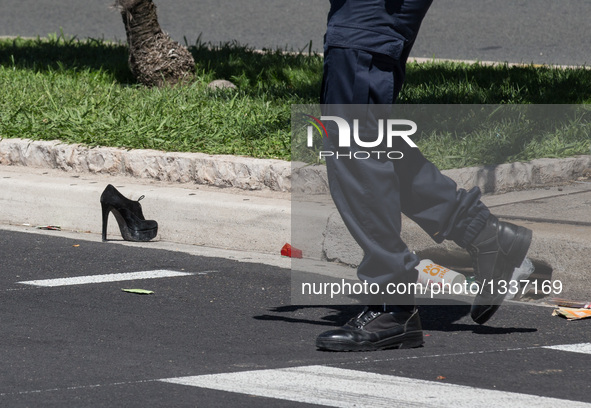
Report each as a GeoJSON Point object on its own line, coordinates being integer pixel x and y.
{"type": "Point", "coordinates": [373, 330]}
{"type": "Point", "coordinates": [496, 252]}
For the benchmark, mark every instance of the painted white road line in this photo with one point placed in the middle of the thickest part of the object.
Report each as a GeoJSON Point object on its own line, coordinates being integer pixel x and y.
{"type": "Point", "coordinates": [113, 277]}
{"type": "Point", "coordinates": [337, 387]}
{"type": "Point", "coordinates": [575, 348]}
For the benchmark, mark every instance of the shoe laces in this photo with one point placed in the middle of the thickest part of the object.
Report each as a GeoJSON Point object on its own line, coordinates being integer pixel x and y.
{"type": "Point", "coordinates": [364, 318]}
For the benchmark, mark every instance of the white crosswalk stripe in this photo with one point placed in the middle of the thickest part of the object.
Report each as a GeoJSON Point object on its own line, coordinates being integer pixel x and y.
{"type": "Point", "coordinates": [113, 277]}
{"type": "Point", "coordinates": [338, 387]}
{"type": "Point", "coordinates": [584, 348]}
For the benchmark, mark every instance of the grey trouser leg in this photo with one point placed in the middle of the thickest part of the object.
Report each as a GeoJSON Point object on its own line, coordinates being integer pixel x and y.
{"type": "Point", "coordinates": [371, 194]}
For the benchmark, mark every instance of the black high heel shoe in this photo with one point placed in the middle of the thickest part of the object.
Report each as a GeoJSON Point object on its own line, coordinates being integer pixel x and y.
{"type": "Point", "coordinates": [129, 216]}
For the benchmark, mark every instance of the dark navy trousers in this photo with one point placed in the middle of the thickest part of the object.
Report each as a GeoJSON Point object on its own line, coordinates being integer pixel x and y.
{"type": "Point", "coordinates": [367, 44]}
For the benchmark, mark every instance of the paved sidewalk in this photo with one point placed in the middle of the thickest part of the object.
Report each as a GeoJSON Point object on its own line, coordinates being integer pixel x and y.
{"type": "Point", "coordinates": [260, 221]}
{"type": "Point", "coordinates": [257, 221]}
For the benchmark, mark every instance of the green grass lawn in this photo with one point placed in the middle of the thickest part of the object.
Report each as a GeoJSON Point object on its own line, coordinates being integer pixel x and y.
{"type": "Point", "coordinates": [82, 92]}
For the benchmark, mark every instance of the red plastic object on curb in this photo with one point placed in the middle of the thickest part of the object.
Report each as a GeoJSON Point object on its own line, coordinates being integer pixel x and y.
{"type": "Point", "coordinates": [290, 251]}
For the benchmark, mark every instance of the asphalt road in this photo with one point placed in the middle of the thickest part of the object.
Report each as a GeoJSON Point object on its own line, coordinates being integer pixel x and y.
{"type": "Point", "coordinates": [94, 345]}
{"type": "Point", "coordinates": [539, 31]}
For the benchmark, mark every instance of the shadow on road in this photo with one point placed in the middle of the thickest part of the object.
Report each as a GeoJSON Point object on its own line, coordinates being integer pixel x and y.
{"type": "Point", "coordinates": [433, 318]}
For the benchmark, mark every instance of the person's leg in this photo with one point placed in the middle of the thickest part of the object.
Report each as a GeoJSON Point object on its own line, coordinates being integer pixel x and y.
{"type": "Point", "coordinates": [366, 47]}
{"type": "Point", "coordinates": [433, 201]}
{"type": "Point", "coordinates": [371, 194]}
{"type": "Point", "coordinates": [367, 192]}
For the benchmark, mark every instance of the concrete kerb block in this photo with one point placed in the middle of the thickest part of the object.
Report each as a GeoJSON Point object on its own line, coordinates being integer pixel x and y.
{"type": "Point", "coordinates": [549, 171]}
{"type": "Point", "coordinates": [242, 172]}
{"type": "Point", "coordinates": [232, 173]}
{"type": "Point", "coordinates": [279, 177]}
{"type": "Point", "coordinates": [70, 158]}
{"type": "Point", "coordinates": [27, 153]}
{"type": "Point", "coordinates": [256, 174]}
{"type": "Point", "coordinates": [520, 176]}
{"type": "Point", "coordinates": [103, 160]}
{"type": "Point", "coordinates": [39, 154]}
{"type": "Point", "coordinates": [93, 160]}
{"type": "Point", "coordinates": [221, 171]}
{"type": "Point", "coordinates": [152, 164]}
{"type": "Point", "coordinates": [339, 245]}
{"type": "Point", "coordinates": [309, 179]}
{"type": "Point", "coordinates": [8, 154]}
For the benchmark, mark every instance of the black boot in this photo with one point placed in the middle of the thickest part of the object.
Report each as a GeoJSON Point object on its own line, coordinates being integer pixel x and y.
{"type": "Point", "coordinates": [129, 216]}
{"type": "Point", "coordinates": [496, 252]}
{"type": "Point", "coordinates": [375, 329]}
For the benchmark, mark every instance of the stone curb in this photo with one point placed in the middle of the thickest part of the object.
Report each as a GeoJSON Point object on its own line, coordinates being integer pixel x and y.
{"type": "Point", "coordinates": [520, 176]}
{"type": "Point", "coordinates": [420, 60]}
{"type": "Point", "coordinates": [490, 179]}
{"type": "Point", "coordinates": [260, 174]}
{"type": "Point", "coordinates": [219, 171]}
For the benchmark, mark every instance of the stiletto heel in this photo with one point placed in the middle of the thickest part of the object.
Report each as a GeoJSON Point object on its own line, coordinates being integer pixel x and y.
{"type": "Point", "coordinates": [129, 216]}
{"type": "Point", "coordinates": [105, 208]}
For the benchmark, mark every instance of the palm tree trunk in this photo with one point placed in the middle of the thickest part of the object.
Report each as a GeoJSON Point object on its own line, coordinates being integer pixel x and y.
{"type": "Point", "coordinates": [154, 58]}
